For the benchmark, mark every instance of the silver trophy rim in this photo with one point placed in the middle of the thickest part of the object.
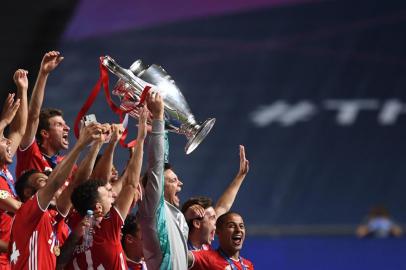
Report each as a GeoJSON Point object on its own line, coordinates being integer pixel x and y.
{"type": "Point", "coordinates": [204, 129]}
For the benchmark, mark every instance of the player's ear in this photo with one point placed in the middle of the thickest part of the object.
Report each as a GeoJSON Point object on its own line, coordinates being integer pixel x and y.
{"type": "Point", "coordinates": [44, 134]}
{"type": "Point", "coordinates": [28, 192]}
{"type": "Point", "coordinates": [196, 223]}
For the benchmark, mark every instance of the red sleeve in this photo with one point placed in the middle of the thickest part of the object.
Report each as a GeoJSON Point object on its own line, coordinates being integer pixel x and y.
{"type": "Point", "coordinates": [29, 214]}
{"type": "Point", "coordinates": [73, 219]}
{"type": "Point", "coordinates": [251, 265]}
{"type": "Point", "coordinates": [112, 225]}
{"type": "Point", "coordinates": [62, 232]}
{"type": "Point", "coordinates": [248, 263]}
{"type": "Point", "coordinates": [29, 158]}
{"type": "Point", "coordinates": [201, 260]}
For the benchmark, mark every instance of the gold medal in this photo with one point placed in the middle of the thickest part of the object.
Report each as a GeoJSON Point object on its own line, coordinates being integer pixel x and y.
{"type": "Point", "coordinates": [57, 251]}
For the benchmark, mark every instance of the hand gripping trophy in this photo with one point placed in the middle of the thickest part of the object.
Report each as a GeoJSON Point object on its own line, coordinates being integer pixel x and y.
{"type": "Point", "coordinates": [178, 116]}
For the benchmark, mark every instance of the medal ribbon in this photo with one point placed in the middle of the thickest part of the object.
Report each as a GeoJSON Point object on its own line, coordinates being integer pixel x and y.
{"type": "Point", "coordinates": [230, 262]}
{"type": "Point", "coordinates": [104, 81]}
{"type": "Point", "coordinates": [10, 182]}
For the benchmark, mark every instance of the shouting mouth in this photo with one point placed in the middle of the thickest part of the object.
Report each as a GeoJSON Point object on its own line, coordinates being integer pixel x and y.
{"type": "Point", "coordinates": [65, 138]}
{"type": "Point", "coordinates": [212, 235]}
{"type": "Point", "coordinates": [237, 239]}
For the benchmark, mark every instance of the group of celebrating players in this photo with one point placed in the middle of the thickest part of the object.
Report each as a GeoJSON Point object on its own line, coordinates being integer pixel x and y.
{"type": "Point", "coordinates": [138, 222]}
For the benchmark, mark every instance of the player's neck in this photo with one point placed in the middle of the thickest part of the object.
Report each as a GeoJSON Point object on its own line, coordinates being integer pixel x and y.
{"type": "Point", "coordinates": [194, 239]}
{"type": "Point", "coordinates": [47, 149]}
{"type": "Point", "coordinates": [134, 257]}
{"type": "Point", "coordinates": [233, 254]}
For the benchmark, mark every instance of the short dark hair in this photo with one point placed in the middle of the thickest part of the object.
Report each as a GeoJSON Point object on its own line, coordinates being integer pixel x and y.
{"type": "Point", "coordinates": [203, 201]}
{"type": "Point", "coordinates": [84, 197]}
{"type": "Point", "coordinates": [167, 166]}
{"type": "Point", "coordinates": [43, 123]}
{"type": "Point", "coordinates": [131, 227]}
{"type": "Point", "coordinates": [23, 183]}
{"type": "Point", "coordinates": [221, 219]}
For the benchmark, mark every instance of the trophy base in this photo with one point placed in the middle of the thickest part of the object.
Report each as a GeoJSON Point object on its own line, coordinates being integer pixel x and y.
{"type": "Point", "coordinates": [200, 135]}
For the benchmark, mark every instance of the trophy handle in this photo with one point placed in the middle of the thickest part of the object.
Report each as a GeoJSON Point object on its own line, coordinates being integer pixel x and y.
{"type": "Point", "coordinates": [199, 136]}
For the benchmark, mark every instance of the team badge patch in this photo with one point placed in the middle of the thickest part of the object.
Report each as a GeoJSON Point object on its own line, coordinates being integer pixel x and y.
{"type": "Point", "coordinates": [4, 194]}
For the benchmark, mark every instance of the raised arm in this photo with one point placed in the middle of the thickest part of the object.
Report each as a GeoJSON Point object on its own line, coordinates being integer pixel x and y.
{"type": "Point", "coordinates": [19, 123]}
{"type": "Point", "coordinates": [131, 177]}
{"type": "Point", "coordinates": [62, 170]}
{"type": "Point", "coordinates": [154, 184]}
{"type": "Point", "coordinates": [83, 172]}
{"type": "Point", "coordinates": [8, 203]}
{"type": "Point", "coordinates": [104, 166]}
{"type": "Point", "coordinates": [49, 62]}
{"type": "Point", "coordinates": [10, 109]}
{"type": "Point", "coordinates": [227, 198]}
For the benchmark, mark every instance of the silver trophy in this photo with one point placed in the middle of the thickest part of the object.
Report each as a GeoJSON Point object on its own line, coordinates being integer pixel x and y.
{"type": "Point", "coordinates": [178, 117]}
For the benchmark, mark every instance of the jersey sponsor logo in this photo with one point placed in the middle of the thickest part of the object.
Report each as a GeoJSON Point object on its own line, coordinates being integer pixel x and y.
{"type": "Point", "coordinates": [80, 249]}
{"type": "Point", "coordinates": [4, 194]}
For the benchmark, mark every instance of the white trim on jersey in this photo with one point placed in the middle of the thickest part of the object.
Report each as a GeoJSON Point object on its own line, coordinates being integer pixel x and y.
{"type": "Point", "coordinates": [118, 212]}
{"type": "Point", "coordinates": [25, 149]}
{"type": "Point", "coordinates": [122, 261]}
{"type": "Point", "coordinates": [39, 205]}
{"type": "Point", "coordinates": [193, 260]}
{"type": "Point", "coordinates": [33, 250]}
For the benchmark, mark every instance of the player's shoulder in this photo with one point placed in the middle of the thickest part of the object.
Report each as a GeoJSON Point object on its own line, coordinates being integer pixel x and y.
{"type": "Point", "coordinates": [247, 263]}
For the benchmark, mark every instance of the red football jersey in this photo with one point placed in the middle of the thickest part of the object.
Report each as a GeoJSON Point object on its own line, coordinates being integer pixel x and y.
{"type": "Point", "coordinates": [61, 229]}
{"type": "Point", "coordinates": [106, 251]}
{"type": "Point", "coordinates": [5, 218]}
{"type": "Point", "coordinates": [32, 238]}
{"type": "Point", "coordinates": [212, 259]}
{"type": "Point", "coordinates": [191, 247]}
{"type": "Point", "coordinates": [32, 158]}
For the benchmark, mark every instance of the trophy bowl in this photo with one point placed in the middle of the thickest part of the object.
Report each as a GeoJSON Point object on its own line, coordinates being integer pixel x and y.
{"type": "Point", "coordinates": [178, 116]}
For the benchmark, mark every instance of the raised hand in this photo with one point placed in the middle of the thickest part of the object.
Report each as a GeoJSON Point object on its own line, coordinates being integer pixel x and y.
{"type": "Point", "coordinates": [155, 104]}
{"type": "Point", "coordinates": [244, 163]}
{"type": "Point", "coordinates": [90, 133]}
{"type": "Point", "coordinates": [10, 108]}
{"type": "Point", "coordinates": [193, 212]}
{"type": "Point", "coordinates": [50, 61]}
{"type": "Point", "coordinates": [117, 131]}
{"type": "Point", "coordinates": [21, 80]}
{"type": "Point", "coordinates": [105, 133]}
{"type": "Point", "coordinates": [137, 110]}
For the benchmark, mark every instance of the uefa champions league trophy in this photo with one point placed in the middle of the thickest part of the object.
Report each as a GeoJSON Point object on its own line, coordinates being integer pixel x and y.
{"type": "Point", "coordinates": [178, 117]}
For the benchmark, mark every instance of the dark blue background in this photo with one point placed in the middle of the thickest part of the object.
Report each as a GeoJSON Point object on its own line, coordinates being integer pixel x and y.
{"type": "Point", "coordinates": [314, 172]}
